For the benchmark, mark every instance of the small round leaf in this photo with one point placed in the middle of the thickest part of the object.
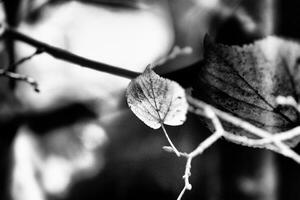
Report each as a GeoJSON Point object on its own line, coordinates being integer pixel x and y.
{"type": "Point", "coordinates": [156, 100]}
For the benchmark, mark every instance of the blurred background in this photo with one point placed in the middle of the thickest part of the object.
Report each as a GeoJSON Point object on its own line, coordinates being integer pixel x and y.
{"type": "Point", "coordinates": [76, 139]}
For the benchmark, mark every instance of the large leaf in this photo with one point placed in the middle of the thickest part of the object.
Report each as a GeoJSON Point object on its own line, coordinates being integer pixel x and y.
{"type": "Point", "coordinates": [245, 81]}
{"type": "Point", "coordinates": [156, 100]}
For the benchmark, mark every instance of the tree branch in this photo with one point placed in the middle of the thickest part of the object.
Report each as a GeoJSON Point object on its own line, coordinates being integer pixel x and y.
{"type": "Point", "coordinates": [68, 56]}
{"type": "Point", "coordinates": [275, 145]}
{"type": "Point", "coordinates": [219, 132]}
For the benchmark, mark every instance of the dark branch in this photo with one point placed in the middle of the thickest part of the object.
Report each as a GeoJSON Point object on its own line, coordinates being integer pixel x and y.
{"type": "Point", "coordinates": [69, 57]}
{"type": "Point", "coordinates": [16, 64]}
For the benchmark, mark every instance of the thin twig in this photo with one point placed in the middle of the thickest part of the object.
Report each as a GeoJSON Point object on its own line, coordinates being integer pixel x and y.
{"type": "Point", "coordinates": [21, 77]}
{"type": "Point", "coordinates": [199, 150]}
{"type": "Point", "coordinates": [219, 131]}
{"type": "Point", "coordinates": [275, 143]}
{"type": "Point", "coordinates": [181, 193]}
{"type": "Point", "coordinates": [280, 147]}
{"type": "Point", "coordinates": [187, 174]}
{"type": "Point", "coordinates": [214, 137]}
{"type": "Point", "coordinates": [68, 56]}
{"type": "Point", "coordinates": [282, 136]}
{"type": "Point", "coordinates": [265, 139]}
{"type": "Point", "coordinates": [24, 59]}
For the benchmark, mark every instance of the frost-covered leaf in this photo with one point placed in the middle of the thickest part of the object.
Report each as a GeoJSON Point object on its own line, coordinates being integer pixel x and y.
{"type": "Point", "coordinates": [156, 100]}
{"type": "Point", "coordinates": [245, 81]}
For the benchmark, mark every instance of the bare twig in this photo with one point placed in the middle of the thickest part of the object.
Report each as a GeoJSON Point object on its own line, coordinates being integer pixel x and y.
{"type": "Point", "coordinates": [277, 145]}
{"type": "Point", "coordinates": [20, 77]}
{"type": "Point", "coordinates": [68, 56]}
{"type": "Point", "coordinates": [219, 131]}
{"type": "Point", "coordinates": [24, 59]}
{"type": "Point", "coordinates": [187, 174]}
{"type": "Point", "coordinates": [265, 139]}
{"type": "Point", "coordinates": [283, 136]}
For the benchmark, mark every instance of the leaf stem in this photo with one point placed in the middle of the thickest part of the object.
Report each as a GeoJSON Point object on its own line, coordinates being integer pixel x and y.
{"type": "Point", "coordinates": [178, 154]}
{"type": "Point", "coordinates": [181, 193]}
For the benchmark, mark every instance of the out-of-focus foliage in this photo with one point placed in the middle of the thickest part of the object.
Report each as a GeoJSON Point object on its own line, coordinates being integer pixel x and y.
{"type": "Point", "coordinates": [125, 37]}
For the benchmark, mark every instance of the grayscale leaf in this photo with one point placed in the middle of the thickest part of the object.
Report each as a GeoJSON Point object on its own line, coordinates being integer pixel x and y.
{"type": "Point", "coordinates": [245, 81]}
{"type": "Point", "coordinates": [156, 100]}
